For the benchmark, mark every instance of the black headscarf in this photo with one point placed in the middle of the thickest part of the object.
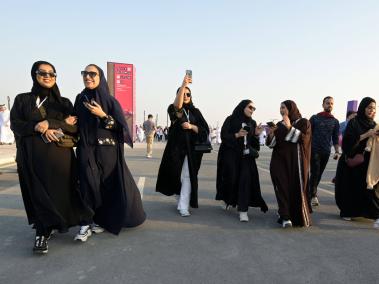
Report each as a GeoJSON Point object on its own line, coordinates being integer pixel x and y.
{"type": "Point", "coordinates": [38, 90]}
{"type": "Point", "coordinates": [88, 122]}
{"type": "Point", "coordinates": [293, 112]}
{"type": "Point", "coordinates": [365, 122]}
{"type": "Point", "coordinates": [239, 112]}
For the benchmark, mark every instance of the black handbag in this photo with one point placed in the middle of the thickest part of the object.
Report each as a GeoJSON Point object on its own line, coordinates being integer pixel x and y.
{"type": "Point", "coordinates": [204, 147]}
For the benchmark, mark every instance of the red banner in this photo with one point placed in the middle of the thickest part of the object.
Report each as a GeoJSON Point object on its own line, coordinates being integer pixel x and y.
{"type": "Point", "coordinates": [122, 78]}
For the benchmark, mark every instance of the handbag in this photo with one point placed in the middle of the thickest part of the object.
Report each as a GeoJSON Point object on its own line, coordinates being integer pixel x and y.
{"type": "Point", "coordinates": [204, 147]}
{"type": "Point", "coordinates": [355, 161]}
{"type": "Point", "coordinates": [67, 141]}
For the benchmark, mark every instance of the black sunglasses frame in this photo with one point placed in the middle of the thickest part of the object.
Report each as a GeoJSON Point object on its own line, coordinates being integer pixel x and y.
{"type": "Point", "coordinates": [91, 74]}
{"type": "Point", "coordinates": [46, 74]}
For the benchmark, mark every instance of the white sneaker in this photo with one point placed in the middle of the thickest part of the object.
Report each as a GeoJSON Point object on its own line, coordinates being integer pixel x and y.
{"type": "Point", "coordinates": [286, 224]}
{"type": "Point", "coordinates": [314, 201]}
{"type": "Point", "coordinates": [184, 212]}
{"type": "Point", "coordinates": [96, 229]}
{"type": "Point", "coordinates": [149, 156]}
{"type": "Point", "coordinates": [84, 233]}
{"type": "Point", "coordinates": [347, 218]}
{"type": "Point", "coordinates": [244, 217]}
{"type": "Point", "coordinates": [225, 206]}
{"type": "Point", "coordinates": [376, 224]}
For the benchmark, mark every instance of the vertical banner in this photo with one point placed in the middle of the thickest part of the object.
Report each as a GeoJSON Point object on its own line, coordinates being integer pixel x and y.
{"type": "Point", "coordinates": [121, 81]}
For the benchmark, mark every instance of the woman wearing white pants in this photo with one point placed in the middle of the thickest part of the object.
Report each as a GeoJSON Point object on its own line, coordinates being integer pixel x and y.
{"type": "Point", "coordinates": [180, 162]}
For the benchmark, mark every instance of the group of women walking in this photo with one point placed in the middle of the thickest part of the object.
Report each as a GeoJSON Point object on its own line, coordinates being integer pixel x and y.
{"type": "Point", "coordinates": [237, 174]}
{"type": "Point", "coordinates": [94, 188]}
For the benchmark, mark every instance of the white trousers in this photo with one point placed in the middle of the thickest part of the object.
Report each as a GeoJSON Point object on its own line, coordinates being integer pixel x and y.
{"type": "Point", "coordinates": [185, 191]}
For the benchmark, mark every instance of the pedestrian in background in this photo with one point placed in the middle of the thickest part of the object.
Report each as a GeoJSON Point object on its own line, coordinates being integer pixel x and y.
{"type": "Point", "coordinates": [325, 131]}
{"type": "Point", "coordinates": [289, 167]}
{"type": "Point", "coordinates": [6, 134]}
{"type": "Point", "coordinates": [149, 128]}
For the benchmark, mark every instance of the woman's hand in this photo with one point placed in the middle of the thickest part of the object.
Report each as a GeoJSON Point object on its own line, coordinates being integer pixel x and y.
{"type": "Point", "coordinates": [258, 130]}
{"type": "Point", "coordinates": [189, 126]}
{"type": "Point", "coordinates": [286, 121]}
{"type": "Point", "coordinates": [42, 126]}
{"type": "Point", "coordinates": [50, 135]}
{"type": "Point", "coordinates": [186, 81]}
{"type": "Point", "coordinates": [241, 133]}
{"type": "Point", "coordinates": [95, 109]}
{"type": "Point", "coordinates": [371, 133]}
{"type": "Point", "coordinates": [71, 120]}
{"type": "Point", "coordinates": [271, 130]}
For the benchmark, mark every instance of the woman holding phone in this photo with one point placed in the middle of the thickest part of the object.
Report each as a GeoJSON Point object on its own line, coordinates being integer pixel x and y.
{"type": "Point", "coordinates": [106, 183]}
{"type": "Point", "coordinates": [237, 172]}
{"type": "Point", "coordinates": [352, 196]}
{"type": "Point", "coordinates": [289, 167]}
{"type": "Point", "coordinates": [47, 171]}
{"type": "Point", "coordinates": [180, 162]}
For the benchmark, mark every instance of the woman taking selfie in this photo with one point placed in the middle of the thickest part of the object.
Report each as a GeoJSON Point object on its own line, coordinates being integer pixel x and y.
{"type": "Point", "coordinates": [237, 172]}
{"type": "Point", "coordinates": [180, 162]}
{"type": "Point", "coordinates": [106, 183]}
{"type": "Point", "coordinates": [46, 170]}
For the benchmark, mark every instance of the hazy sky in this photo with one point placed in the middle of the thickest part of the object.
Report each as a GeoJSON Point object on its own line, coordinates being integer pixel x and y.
{"type": "Point", "coordinates": [267, 51]}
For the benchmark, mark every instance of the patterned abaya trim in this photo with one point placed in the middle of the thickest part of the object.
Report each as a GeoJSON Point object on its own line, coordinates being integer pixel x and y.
{"type": "Point", "coordinates": [303, 200]}
{"type": "Point", "coordinates": [293, 135]}
{"type": "Point", "coordinates": [109, 122]}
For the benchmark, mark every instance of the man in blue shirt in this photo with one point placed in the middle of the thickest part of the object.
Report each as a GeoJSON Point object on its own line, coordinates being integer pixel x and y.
{"type": "Point", "coordinates": [350, 114]}
{"type": "Point", "coordinates": [325, 130]}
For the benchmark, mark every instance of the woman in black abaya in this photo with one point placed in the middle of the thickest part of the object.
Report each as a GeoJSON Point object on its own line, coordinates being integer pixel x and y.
{"type": "Point", "coordinates": [46, 171]}
{"type": "Point", "coordinates": [180, 162]}
{"type": "Point", "coordinates": [106, 183]}
{"type": "Point", "coordinates": [237, 173]}
{"type": "Point", "coordinates": [352, 196]}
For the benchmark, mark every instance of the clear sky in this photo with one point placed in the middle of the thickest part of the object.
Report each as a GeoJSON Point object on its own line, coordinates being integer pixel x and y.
{"type": "Point", "coordinates": [267, 51]}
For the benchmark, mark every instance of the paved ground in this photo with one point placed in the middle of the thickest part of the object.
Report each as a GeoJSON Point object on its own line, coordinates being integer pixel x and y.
{"type": "Point", "coordinates": [211, 246]}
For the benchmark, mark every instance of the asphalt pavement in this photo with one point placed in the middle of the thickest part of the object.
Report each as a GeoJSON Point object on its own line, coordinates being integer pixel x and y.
{"type": "Point", "coordinates": [211, 246]}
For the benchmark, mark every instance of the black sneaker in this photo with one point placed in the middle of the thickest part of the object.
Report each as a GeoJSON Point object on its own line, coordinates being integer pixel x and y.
{"type": "Point", "coordinates": [40, 245]}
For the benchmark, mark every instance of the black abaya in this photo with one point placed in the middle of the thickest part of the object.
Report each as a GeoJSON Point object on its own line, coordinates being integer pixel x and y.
{"type": "Point", "coordinates": [237, 175]}
{"type": "Point", "coordinates": [47, 173]}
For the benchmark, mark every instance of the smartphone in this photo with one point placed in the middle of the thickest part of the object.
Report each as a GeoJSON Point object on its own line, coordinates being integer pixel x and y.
{"type": "Point", "coordinates": [59, 134]}
{"type": "Point", "coordinates": [189, 73]}
{"type": "Point", "coordinates": [44, 139]}
{"type": "Point", "coordinates": [270, 124]}
{"type": "Point", "coordinates": [247, 128]}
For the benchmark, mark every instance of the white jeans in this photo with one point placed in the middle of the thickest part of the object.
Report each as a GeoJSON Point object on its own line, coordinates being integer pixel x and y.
{"type": "Point", "coordinates": [185, 191]}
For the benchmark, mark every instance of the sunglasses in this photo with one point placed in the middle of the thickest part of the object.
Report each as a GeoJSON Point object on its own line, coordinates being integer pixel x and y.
{"type": "Point", "coordinates": [251, 107]}
{"type": "Point", "coordinates": [92, 74]}
{"type": "Point", "coordinates": [188, 94]}
{"type": "Point", "coordinates": [46, 74]}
